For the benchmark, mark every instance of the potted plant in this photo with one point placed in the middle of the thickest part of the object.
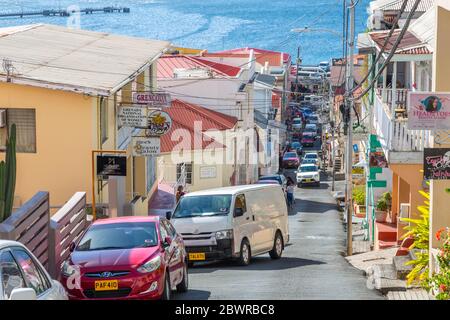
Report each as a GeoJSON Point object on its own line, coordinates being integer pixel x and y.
{"type": "Point", "coordinates": [381, 210]}
{"type": "Point", "coordinates": [388, 198]}
{"type": "Point", "coordinates": [359, 197]}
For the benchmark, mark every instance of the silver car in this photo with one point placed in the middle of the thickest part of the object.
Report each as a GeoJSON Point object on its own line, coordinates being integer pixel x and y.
{"type": "Point", "coordinates": [22, 276]}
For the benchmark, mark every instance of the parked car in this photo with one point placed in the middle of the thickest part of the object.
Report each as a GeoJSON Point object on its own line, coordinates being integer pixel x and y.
{"type": "Point", "coordinates": [297, 124]}
{"type": "Point", "coordinates": [280, 178]}
{"type": "Point", "coordinates": [266, 182]}
{"type": "Point", "coordinates": [308, 139]}
{"type": "Point", "coordinates": [313, 156]}
{"type": "Point", "coordinates": [297, 146]}
{"type": "Point", "coordinates": [128, 258]}
{"type": "Point", "coordinates": [22, 276]}
{"type": "Point", "coordinates": [308, 174]}
{"type": "Point", "coordinates": [236, 222]}
{"type": "Point", "coordinates": [311, 128]}
{"type": "Point", "coordinates": [290, 160]}
{"type": "Point", "coordinates": [313, 119]}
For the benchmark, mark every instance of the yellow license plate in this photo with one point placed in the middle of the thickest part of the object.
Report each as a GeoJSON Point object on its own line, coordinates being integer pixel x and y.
{"type": "Point", "coordinates": [197, 256]}
{"type": "Point", "coordinates": [106, 285]}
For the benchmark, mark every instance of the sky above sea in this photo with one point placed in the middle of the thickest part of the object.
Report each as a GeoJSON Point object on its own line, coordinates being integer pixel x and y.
{"type": "Point", "coordinates": [213, 24]}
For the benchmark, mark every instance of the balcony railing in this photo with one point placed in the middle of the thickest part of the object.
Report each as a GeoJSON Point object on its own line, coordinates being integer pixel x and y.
{"type": "Point", "coordinates": [392, 130]}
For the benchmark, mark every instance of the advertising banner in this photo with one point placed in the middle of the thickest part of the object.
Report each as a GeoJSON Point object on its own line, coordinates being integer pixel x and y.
{"type": "Point", "coordinates": [436, 163]}
{"type": "Point", "coordinates": [428, 111]}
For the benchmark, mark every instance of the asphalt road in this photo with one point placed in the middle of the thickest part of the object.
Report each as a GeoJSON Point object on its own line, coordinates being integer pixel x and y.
{"type": "Point", "coordinates": [312, 266]}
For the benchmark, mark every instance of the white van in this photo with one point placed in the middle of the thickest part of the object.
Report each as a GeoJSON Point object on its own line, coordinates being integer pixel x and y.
{"type": "Point", "coordinates": [233, 222]}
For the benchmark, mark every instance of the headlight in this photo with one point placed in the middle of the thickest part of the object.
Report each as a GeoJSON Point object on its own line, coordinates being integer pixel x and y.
{"type": "Point", "coordinates": [224, 234]}
{"type": "Point", "coordinates": [67, 269]}
{"type": "Point", "coordinates": [150, 266]}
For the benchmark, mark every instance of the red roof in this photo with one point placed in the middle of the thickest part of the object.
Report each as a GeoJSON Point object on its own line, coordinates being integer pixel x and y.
{"type": "Point", "coordinates": [409, 44]}
{"type": "Point", "coordinates": [184, 115]}
{"type": "Point", "coordinates": [167, 64]}
{"type": "Point", "coordinates": [257, 51]}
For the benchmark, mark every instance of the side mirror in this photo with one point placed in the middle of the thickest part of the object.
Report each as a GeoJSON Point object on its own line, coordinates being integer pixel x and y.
{"type": "Point", "coordinates": [72, 246]}
{"type": "Point", "coordinates": [238, 212]}
{"type": "Point", "coordinates": [168, 215]}
{"type": "Point", "coordinates": [23, 294]}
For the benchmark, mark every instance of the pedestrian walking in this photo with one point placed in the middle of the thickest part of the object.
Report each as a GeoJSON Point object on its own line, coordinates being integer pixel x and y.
{"type": "Point", "coordinates": [180, 193]}
{"type": "Point", "coordinates": [290, 192]}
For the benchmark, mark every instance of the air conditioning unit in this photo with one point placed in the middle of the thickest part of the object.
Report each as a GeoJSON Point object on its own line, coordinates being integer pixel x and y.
{"type": "Point", "coordinates": [404, 210]}
{"type": "Point", "coordinates": [2, 118]}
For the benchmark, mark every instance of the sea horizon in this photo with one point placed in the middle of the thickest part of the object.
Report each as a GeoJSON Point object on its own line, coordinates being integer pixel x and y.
{"type": "Point", "coordinates": [213, 25]}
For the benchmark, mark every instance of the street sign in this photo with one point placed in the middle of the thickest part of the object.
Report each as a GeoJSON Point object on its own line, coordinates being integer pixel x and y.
{"type": "Point", "coordinates": [436, 163]}
{"type": "Point", "coordinates": [428, 111]}
{"type": "Point", "coordinates": [135, 117]}
{"type": "Point", "coordinates": [111, 166]}
{"type": "Point", "coordinates": [159, 123]}
{"type": "Point", "coordinates": [152, 98]}
{"type": "Point", "coordinates": [146, 146]}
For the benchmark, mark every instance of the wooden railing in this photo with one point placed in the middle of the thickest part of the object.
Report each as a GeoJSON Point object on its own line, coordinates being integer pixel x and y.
{"type": "Point", "coordinates": [66, 226]}
{"type": "Point", "coordinates": [29, 226]}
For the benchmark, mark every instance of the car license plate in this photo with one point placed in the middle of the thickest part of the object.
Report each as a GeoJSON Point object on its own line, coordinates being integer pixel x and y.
{"type": "Point", "coordinates": [106, 285]}
{"type": "Point", "coordinates": [308, 180]}
{"type": "Point", "coordinates": [197, 256]}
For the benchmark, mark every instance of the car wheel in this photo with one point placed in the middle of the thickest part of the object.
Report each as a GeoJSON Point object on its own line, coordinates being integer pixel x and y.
{"type": "Point", "coordinates": [167, 292]}
{"type": "Point", "coordinates": [184, 284]}
{"type": "Point", "coordinates": [299, 185]}
{"type": "Point", "coordinates": [245, 254]}
{"type": "Point", "coordinates": [277, 249]}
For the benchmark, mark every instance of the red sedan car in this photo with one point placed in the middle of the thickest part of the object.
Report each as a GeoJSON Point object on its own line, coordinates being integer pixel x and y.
{"type": "Point", "coordinates": [290, 160]}
{"type": "Point", "coordinates": [308, 139]}
{"type": "Point", "coordinates": [127, 258]}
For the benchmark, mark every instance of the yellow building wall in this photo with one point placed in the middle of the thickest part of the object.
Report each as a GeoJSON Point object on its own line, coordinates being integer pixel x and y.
{"type": "Point", "coordinates": [65, 134]}
{"type": "Point", "coordinates": [413, 177]}
{"type": "Point", "coordinates": [440, 212]}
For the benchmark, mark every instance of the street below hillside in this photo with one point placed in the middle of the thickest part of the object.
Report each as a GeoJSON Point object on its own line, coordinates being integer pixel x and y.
{"type": "Point", "coordinates": [312, 266]}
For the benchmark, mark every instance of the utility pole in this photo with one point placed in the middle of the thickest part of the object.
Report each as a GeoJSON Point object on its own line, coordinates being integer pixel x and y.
{"type": "Point", "coordinates": [298, 64]}
{"type": "Point", "coordinates": [349, 125]}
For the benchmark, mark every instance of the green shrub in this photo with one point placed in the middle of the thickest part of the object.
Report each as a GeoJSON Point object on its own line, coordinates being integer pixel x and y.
{"type": "Point", "coordinates": [359, 195]}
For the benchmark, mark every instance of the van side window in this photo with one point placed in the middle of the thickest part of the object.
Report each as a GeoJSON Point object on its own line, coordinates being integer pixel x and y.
{"type": "Point", "coordinates": [240, 203]}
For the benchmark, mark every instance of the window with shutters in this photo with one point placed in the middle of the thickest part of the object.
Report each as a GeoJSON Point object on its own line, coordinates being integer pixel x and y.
{"type": "Point", "coordinates": [25, 120]}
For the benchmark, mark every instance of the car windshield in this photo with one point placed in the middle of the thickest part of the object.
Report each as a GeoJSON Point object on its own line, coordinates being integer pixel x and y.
{"type": "Point", "coordinates": [308, 169]}
{"type": "Point", "coordinates": [126, 235]}
{"type": "Point", "coordinates": [202, 206]}
{"type": "Point", "coordinates": [297, 121]}
{"type": "Point", "coordinates": [290, 155]}
{"type": "Point", "coordinates": [306, 161]}
{"type": "Point", "coordinates": [270, 178]}
{"type": "Point", "coordinates": [309, 130]}
{"type": "Point", "coordinates": [311, 156]}
{"type": "Point", "coordinates": [296, 145]}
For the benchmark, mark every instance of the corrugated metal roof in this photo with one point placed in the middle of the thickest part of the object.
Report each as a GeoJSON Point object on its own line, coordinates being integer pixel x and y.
{"type": "Point", "coordinates": [266, 79]}
{"type": "Point", "coordinates": [395, 5]}
{"type": "Point", "coordinates": [407, 45]}
{"type": "Point", "coordinates": [184, 115]}
{"type": "Point", "coordinates": [75, 60]}
{"type": "Point", "coordinates": [424, 27]}
{"type": "Point", "coordinates": [167, 65]}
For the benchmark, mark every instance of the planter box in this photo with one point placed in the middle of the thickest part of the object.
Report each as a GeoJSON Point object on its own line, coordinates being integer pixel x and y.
{"type": "Point", "coordinates": [360, 211]}
{"type": "Point", "coordinates": [380, 216]}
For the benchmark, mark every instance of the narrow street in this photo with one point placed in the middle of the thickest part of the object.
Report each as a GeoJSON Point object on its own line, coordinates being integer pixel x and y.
{"type": "Point", "coordinates": [312, 266]}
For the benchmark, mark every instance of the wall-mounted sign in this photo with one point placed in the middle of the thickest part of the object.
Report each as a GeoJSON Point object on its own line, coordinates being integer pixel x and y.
{"type": "Point", "coordinates": [428, 111]}
{"type": "Point", "coordinates": [377, 159]}
{"type": "Point", "coordinates": [133, 117]}
{"type": "Point", "coordinates": [436, 163]}
{"type": "Point", "coordinates": [208, 172]}
{"type": "Point", "coordinates": [146, 146]}
{"type": "Point", "coordinates": [159, 123]}
{"type": "Point", "coordinates": [111, 166]}
{"type": "Point", "coordinates": [152, 98]}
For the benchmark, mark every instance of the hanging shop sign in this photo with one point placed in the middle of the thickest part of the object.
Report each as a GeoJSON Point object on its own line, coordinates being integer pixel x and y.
{"type": "Point", "coordinates": [159, 123]}
{"type": "Point", "coordinates": [428, 111]}
{"type": "Point", "coordinates": [111, 165]}
{"type": "Point", "coordinates": [146, 146]}
{"type": "Point", "coordinates": [377, 159]}
{"type": "Point", "coordinates": [135, 117]}
{"type": "Point", "coordinates": [152, 98]}
{"type": "Point", "coordinates": [436, 163]}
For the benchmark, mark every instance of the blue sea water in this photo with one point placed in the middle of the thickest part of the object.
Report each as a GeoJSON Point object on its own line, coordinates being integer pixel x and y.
{"type": "Point", "coordinates": [212, 24]}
